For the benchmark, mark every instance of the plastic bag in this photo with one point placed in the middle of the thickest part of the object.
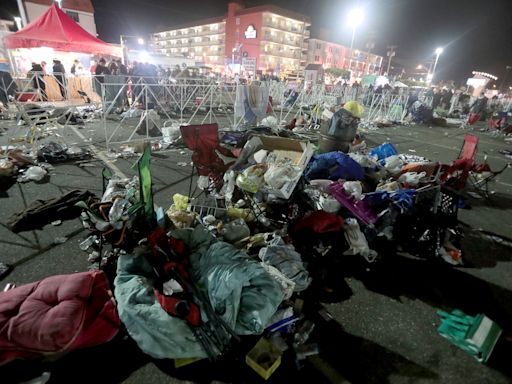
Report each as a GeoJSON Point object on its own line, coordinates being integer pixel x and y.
{"type": "Point", "coordinates": [329, 204]}
{"type": "Point", "coordinates": [362, 160]}
{"type": "Point", "coordinates": [411, 178]}
{"type": "Point", "coordinates": [353, 188]}
{"type": "Point", "coordinates": [287, 285]}
{"type": "Point", "coordinates": [287, 261]}
{"type": "Point", "coordinates": [334, 166]}
{"type": "Point", "coordinates": [34, 173]}
{"type": "Point", "coordinates": [180, 202]}
{"type": "Point", "coordinates": [383, 151]}
{"type": "Point", "coordinates": [357, 241]}
{"type": "Point", "coordinates": [203, 182]}
{"type": "Point", "coordinates": [171, 133]}
{"type": "Point", "coordinates": [251, 179]}
{"type": "Point", "coordinates": [280, 173]}
{"type": "Point", "coordinates": [180, 218]}
{"type": "Point", "coordinates": [236, 230]}
{"type": "Point", "coordinates": [393, 164]}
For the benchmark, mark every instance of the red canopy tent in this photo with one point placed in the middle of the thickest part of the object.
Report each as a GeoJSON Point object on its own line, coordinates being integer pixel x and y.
{"type": "Point", "coordinates": [57, 30]}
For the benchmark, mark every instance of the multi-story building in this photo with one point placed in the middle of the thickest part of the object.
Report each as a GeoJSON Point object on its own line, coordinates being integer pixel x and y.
{"type": "Point", "coordinates": [332, 55]}
{"type": "Point", "coordinates": [82, 11]}
{"type": "Point", "coordinates": [265, 39]}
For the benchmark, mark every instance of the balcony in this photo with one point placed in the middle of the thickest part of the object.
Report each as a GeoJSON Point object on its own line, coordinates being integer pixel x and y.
{"type": "Point", "coordinates": [284, 28]}
{"type": "Point", "coordinates": [280, 40]}
{"type": "Point", "coordinates": [277, 53]}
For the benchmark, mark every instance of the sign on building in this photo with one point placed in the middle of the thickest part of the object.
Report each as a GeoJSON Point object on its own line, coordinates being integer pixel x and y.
{"type": "Point", "coordinates": [250, 32]}
{"type": "Point", "coordinates": [249, 63]}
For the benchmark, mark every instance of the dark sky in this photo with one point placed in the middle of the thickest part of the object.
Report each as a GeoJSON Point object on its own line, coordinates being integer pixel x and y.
{"type": "Point", "coordinates": [476, 34]}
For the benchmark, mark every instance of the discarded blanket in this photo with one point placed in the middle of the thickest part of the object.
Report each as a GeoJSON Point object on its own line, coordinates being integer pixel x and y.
{"type": "Point", "coordinates": [58, 314]}
{"type": "Point", "coordinates": [42, 212]}
{"type": "Point", "coordinates": [239, 289]}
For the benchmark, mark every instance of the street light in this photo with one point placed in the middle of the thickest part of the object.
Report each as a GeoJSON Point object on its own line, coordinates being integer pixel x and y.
{"type": "Point", "coordinates": [438, 52]}
{"type": "Point", "coordinates": [354, 18]}
{"type": "Point", "coordinates": [140, 41]}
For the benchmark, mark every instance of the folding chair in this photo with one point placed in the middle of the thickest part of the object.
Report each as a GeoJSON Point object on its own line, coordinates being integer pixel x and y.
{"type": "Point", "coordinates": [203, 140]}
{"type": "Point", "coordinates": [457, 174]}
{"type": "Point", "coordinates": [482, 174]}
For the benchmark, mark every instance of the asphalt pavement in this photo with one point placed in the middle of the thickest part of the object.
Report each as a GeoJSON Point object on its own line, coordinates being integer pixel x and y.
{"type": "Point", "coordinates": [384, 331]}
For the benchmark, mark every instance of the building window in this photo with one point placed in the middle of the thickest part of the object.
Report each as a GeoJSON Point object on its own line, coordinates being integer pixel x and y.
{"type": "Point", "coordinates": [317, 58]}
{"type": "Point", "coordinates": [318, 46]}
{"type": "Point", "coordinates": [73, 15]}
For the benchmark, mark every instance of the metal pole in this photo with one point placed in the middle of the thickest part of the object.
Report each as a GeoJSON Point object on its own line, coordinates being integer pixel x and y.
{"type": "Point", "coordinates": [434, 69]}
{"type": "Point", "coordinates": [123, 49]}
{"type": "Point", "coordinates": [351, 47]}
{"type": "Point", "coordinates": [23, 14]}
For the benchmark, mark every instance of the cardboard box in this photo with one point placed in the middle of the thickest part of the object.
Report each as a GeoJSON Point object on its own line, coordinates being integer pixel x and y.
{"type": "Point", "coordinates": [264, 358]}
{"type": "Point", "coordinates": [303, 149]}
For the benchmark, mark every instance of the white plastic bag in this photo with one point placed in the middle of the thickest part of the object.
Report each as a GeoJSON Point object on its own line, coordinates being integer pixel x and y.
{"type": "Point", "coordinates": [171, 133]}
{"type": "Point", "coordinates": [411, 178]}
{"type": "Point", "coordinates": [354, 189]}
{"type": "Point", "coordinates": [34, 173]}
{"type": "Point", "coordinates": [393, 164]}
{"type": "Point", "coordinates": [280, 173]}
{"type": "Point", "coordinates": [357, 241]}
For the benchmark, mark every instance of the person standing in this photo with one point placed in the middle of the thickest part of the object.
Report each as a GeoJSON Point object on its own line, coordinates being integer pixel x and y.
{"type": "Point", "coordinates": [38, 83]}
{"type": "Point", "coordinates": [100, 72]}
{"type": "Point", "coordinates": [59, 74]}
{"type": "Point", "coordinates": [75, 67]}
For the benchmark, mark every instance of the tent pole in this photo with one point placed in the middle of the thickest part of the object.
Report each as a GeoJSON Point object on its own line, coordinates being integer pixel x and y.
{"type": "Point", "coordinates": [14, 70]}
{"type": "Point", "coordinates": [23, 14]}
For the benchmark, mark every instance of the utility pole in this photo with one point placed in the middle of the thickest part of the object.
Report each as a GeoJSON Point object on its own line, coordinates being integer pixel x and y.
{"type": "Point", "coordinates": [391, 52]}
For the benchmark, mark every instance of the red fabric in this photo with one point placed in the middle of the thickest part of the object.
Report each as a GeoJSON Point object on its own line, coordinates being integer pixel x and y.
{"type": "Point", "coordinates": [57, 314]}
{"type": "Point", "coordinates": [320, 222]}
{"type": "Point", "coordinates": [473, 118]}
{"type": "Point", "coordinates": [469, 148]}
{"type": "Point", "coordinates": [168, 304]}
{"type": "Point", "coordinates": [203, 140]}
{"type": "Point", "coordinates": [57, 30]}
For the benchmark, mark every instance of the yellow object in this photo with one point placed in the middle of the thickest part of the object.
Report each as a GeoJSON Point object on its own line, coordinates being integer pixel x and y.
{"type": "Point", "coordinates": [180, 202]}
{"type": "Point", "coordinates": [264, 358]}
{"type": "Point", "coordinates": [354, 108]}
{"type": "Point", "coordinates": [241, 213]}
{"type": "Point", "coordinates": [178, 363]}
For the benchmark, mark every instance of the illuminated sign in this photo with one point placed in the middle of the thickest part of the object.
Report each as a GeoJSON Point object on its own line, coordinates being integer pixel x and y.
{"type": "Point", "coordinates": [250, 32]}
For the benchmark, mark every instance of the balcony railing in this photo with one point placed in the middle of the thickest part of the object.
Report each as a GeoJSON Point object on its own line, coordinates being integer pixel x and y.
{"type": "Point", "coordinates": [283, 27]}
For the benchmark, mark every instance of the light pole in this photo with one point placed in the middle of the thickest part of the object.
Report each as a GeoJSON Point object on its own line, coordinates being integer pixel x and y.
{"type": "Point", "coordinates": [354, 19]}
{"type": "Point", "coordinates": [438, 53]}
{"type": "Point", "coordinates": [140, 41]}
{"type": "Point", "coordinates": [390, 54]}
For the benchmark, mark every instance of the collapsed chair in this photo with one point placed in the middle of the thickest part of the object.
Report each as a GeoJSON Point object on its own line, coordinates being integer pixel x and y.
{"type": "Point", "coordinates": [466, 169]}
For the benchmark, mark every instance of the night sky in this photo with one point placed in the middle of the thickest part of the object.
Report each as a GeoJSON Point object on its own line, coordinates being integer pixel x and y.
{"type": "Point", "coordinates": [476, 34]}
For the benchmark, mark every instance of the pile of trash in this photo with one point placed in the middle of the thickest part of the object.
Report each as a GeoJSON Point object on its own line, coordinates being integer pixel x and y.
{"type": "Point", "coordinates": [28, 164]}
{"type": "Point", "coordinates": [245, 258]}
